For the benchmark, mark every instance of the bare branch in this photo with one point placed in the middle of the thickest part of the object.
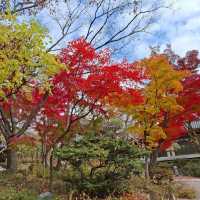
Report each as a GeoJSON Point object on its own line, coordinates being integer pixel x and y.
{"type": "Point", "coordinates": [23, 6]}
{"type": "Point", "coordinates": [72, 17]}
{"type": "Point", "coordinates": [100, 17]}
{"type": "Point", "coordinates": [102, 26]}
{"type": "Point", "coordinates": [114, 38]}
{"type": "Point", "coordinates": [94, 19]}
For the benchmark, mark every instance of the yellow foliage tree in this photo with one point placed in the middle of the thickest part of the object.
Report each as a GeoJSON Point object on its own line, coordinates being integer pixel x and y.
{"type": "Point", "coordinates": [23, 55]}
{"type": "Point", "coordinates": [160, 90]}
{"type": "Point", "coordinates": [23, 60]}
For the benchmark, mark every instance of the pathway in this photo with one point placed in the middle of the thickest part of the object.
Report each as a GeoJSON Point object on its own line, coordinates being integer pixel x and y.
{"type": "Point", "coordinates": [191, 182]}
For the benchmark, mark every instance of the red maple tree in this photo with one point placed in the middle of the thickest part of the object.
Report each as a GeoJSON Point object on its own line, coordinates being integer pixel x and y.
{"type": "Point", "coordinates": [188, 98]}
{"type": "Point", "coordinates": [88, 85]}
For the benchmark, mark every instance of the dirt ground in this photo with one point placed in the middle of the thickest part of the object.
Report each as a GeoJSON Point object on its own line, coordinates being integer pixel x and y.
{"type": "Point", "coordinates": [191, 182]}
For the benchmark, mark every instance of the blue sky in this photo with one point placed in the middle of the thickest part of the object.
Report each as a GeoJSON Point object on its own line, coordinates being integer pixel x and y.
{"type": "Point", "coordinates": [178, 25]}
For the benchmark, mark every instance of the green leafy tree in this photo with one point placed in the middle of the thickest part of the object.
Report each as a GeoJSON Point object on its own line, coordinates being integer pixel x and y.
{"type": "Point", "coordinates": [24, 64]}
{"type": "Point", "coordinates": [100, 165]}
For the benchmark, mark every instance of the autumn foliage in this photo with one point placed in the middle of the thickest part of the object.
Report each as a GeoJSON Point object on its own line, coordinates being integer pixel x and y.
{"type": "Point", "coordinates": [83, 124]}
{"type": "Point", "coordinates": [160, 93]}
{"type": "Point", "coordinates": [87, 86]}
{"type": "Point", "coordinates": [188, 98]}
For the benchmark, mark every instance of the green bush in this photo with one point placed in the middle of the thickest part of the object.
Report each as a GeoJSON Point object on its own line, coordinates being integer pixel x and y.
{"type": "Point", "coordinates": [191, 168]}
{"type": "Point", "coordinates": [161, 173]}
{"type": "Point", "coordinates": [40, 171]}
{"type": "Point", "coordinates": [99, 165]}
{"type": "Point", "coordinates": [188, 167]}
{"type": "Point", "coordinates": [12, 194]}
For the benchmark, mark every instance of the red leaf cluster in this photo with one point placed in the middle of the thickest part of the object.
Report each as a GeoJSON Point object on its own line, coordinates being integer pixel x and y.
{"type": "Point", "coordinates": [86, 86]}
{"type": "Point", "coordinates": [189, 98]}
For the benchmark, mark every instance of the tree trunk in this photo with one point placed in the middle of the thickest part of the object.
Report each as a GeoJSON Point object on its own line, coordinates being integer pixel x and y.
{"type": "Point", "coordinates": [153, 157]}
{"type": "Point", "coordinates": [11, 160]}
{"type": "Point", "coordinates": [59, 164]}
{"type": "Point", "coordinates": [153, 161]}
{"type": "Point", "coordinates": [45, 159]}
{"type": "Point", "coordinates": [146, 167]}
{"type": "Point", "coordinates": [51, 172]}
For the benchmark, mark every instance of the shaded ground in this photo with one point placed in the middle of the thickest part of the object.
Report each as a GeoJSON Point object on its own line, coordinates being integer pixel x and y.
{"type": "Point", "coordinates": [191, 182]}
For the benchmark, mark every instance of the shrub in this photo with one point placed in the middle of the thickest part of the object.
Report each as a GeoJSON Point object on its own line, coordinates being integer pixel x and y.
{"type": "Point", "coordinates": [191, 168]}
{"type": "Point", "coordinates": [12, 194]}
{"type": "Point", "coordinates": [133, 196]}
{"type": "Point", "coordinates": [99, 165]}
{"type": "Point", "coordinates": [185, 192]}
{"type": "Point", "coordinates": [187, 167]}
{"type": "Point", "coordinates": [160, 186]}
{"type": "Point", "coordinates": [161, 174]}
{"type": "Point", "coordinates": [40, 171]}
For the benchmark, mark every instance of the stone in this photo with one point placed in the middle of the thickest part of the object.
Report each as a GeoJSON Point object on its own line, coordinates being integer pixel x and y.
{"type": "Point", "coordinates": [45, 196]}
{"type": "Point", "coordinates": [2, 169]}
{"type": "Point", "coordinates": [175, 169]}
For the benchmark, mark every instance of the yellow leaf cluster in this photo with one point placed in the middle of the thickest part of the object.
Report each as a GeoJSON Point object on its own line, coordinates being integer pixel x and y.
{"type": "Point", "coordinates": [160, 92]}
{"type": "Point", "coordinates": [23, 55]}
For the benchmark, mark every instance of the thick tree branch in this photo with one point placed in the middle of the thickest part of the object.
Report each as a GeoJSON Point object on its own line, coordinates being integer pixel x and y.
{"type": "Point", "coordinates": [33, 114]}
{"type": "Point", "coordinates": [5, 122]}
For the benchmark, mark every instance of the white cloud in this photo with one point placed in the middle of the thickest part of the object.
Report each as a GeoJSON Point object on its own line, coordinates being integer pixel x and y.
{"type": "Point", "coordinates": [178, 25]}
{"type": "Point", "coordinates": [186, 42]}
